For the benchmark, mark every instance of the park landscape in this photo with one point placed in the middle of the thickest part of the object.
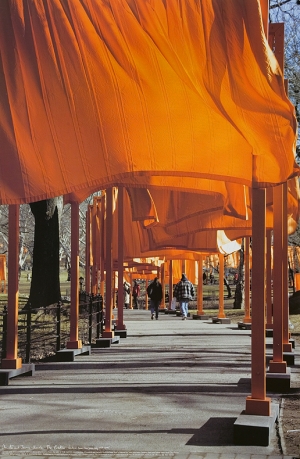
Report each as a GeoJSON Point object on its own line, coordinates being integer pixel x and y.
{"type": "Point", "coordinates": [44, 167]}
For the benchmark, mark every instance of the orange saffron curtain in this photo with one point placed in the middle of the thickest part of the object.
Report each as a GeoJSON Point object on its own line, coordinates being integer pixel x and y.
{"type": "Point", "coordinates": [96, 93]}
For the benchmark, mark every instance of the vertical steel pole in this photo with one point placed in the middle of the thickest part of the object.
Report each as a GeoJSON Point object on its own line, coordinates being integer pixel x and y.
{"type": "Point", "coordinates": [130, 300]}
{"type": "Point", "coordinates": [269, 306]}
{"type": "Point", "coordinates": [146, 294]}
{"type": "Point", "coordinates": [170, 282]}
{"type": "Point", "coordinates": [28, 336]}
{"type": "Point", "coordinates": [277, 365]}
{"type": "Point", "coordinates": [91, 302]}
{"type": "Point", "coordinates": [200, 311]}
{"type": "Point", "coordinates": [4, 332]}
{"type": "Point", "coordinates": [74, 342]}
{"type": "Point", "coordinates": [258, 403]}
{"type": "Point", "coordinates": [221, 314]}
{"type": "Point", "coordinates": [94, 286]}
{"type": "Point", "coordinates": [102, 244]}
{"type": "Point", "coordinates": [163, 285]}
{"type": "Point", "coordinates": [12, 361]}
{"type": "Point", "coordinates": [247, 317]}
{"type": "Point", "coordinates": [120, 320]}
{"type": "Point", "coordinates": [58, 326]}
{"type": "Point", "coordinates": [287, 346]}
{"type": "Point", "coordinates": [108, 333]}
{"type": "Point", "coordinates": [88, 251]}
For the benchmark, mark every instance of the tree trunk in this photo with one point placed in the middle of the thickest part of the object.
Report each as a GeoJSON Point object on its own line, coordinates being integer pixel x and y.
{"type": "Point", "coordinates": [45, 284]}
{"type": "Point", "coordinates": [239, 297]}
{"type": "Point", "coordinates": [228, 288]}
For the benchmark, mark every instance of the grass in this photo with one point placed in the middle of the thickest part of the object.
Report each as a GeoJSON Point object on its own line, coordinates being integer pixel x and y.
{"type": "Point", "coordinates": [24, 287]}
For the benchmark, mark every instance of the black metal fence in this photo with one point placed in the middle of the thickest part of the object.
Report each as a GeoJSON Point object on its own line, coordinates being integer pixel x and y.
{"type": "Point", "coordinates": [44, 331]}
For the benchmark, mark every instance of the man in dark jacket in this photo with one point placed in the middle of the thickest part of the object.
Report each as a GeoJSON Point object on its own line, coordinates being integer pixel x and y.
{"type": "Point", "coordinates": [154, 291]}
{"type": "Point", "coordinates": [184, 292]}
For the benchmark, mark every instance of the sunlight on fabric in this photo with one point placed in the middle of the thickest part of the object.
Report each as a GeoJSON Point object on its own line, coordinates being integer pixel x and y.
{"type": "Point", "coordinates": [100, 93]}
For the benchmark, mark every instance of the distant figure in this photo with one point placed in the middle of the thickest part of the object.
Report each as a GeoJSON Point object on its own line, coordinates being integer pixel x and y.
{"type": "Point", "coordinates": [155, 293]}
{"type": "Point", "coordinates": [211, 277]}
{"type": "Point", "coordinates": [184, 292]}
{"type": "Point", "coordinates": [28, 277]}
{"type": "Point", "coordinates": [69, 273]}
{"type": "Point", "coordinates": [204, 278]}
{"type": "Point", "coordinates": [126, 293]}
{"type": "Point", "coordinates": [135, 294]}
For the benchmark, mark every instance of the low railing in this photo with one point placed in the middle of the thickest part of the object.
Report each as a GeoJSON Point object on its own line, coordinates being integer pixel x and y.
{"type": "Point", "coordinates": [44, 331]}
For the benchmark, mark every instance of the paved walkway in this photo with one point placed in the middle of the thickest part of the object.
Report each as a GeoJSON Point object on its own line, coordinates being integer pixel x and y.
{"type": "Point", "coordinates": [171, 389]}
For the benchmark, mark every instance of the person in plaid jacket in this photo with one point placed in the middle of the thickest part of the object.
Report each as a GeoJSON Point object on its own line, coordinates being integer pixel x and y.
{"type": "Point", "coordinates": [184, 292]}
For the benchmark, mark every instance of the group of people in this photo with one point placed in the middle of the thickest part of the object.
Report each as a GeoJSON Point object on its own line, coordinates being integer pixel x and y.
{"type": "Point", "coordinates": [135, 294]}
{"type": "Point", "coordinates": [183, 292]}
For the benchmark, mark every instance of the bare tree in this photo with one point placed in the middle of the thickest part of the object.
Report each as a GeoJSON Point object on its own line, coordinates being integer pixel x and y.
{"type": "Point", "coordinates": [26, 228]}
{"type": "Point", "coordinates": [239, 296]}
{"type": "Point", "coordinates": [288, 11]}
{"type": "Point", "coordinates": [45, 284]}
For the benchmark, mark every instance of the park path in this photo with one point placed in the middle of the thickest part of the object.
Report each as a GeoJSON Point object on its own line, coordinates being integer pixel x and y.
{"type": "Point", "coordinates": [171, 389]}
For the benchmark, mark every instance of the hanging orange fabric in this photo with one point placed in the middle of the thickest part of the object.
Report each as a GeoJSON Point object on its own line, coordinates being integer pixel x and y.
{"type": "Point", "coordinates": [96, 93]}
{"type": "Point", "coordinates": [2, 267]}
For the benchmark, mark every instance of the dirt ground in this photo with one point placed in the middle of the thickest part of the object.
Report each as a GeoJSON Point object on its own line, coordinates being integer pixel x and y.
{"type": "Point", "coordinates": [289, 424]}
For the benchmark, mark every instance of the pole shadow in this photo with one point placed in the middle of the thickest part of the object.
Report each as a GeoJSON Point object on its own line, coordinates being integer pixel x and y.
{"type": "Point", "coordinates": [215, 432]}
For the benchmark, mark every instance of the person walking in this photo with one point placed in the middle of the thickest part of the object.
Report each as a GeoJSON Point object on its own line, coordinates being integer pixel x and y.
{"type": "Point", "coordinates": [184, 292]}
{"type": "Point", "coordinates": [126, 294]}
{"type": "Point", "coordinates": [135, 294]}
{"type": "Point", "coordinates": [155, 293]}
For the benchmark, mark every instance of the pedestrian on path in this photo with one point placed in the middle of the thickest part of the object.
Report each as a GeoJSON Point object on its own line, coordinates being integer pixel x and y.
{"type": "Point", "coordinates": [155, 293]}
{"type": "Point", "coordinates": [126, 294]}
{"type": "Point", "coordinates": [135, 294]}
{"type": "Point", "coordinates": [184, 292]}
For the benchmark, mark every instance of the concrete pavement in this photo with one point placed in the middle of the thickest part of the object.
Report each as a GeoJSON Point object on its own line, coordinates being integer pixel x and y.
{"type": "Point", "coordinates": [171, 389]}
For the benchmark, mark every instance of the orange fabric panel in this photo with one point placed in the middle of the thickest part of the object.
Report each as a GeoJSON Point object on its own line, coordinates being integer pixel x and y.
{"type": "Point", "coordinates": [201, 241]}
{"type": "Point", "coordinates": [139, 241]}
{"type": "Point", "coordinates": [181, 213]}
{"type": "Point", "coordinates": [176, 206]}
{"type": "Point", "coordinates": [191, 271]}
{"type": "Point", "coordinates": [97, 93]}
{"type": "Point", "coordinates": [131, 238]}
{"type": "Point", "coordinates": [2, 267]}
{"type": "Point", "coordinates": [206, 235]}
{"type": "Point", "coordinates": [142, 206]}
{"type": "Point", "coordinates": [177, 270]}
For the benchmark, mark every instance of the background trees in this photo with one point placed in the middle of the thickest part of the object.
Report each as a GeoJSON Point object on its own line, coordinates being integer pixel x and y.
{"type": "Point", "coordinates": [288, 11]}
{"type": "Point", "coordinates": [45, 244]}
